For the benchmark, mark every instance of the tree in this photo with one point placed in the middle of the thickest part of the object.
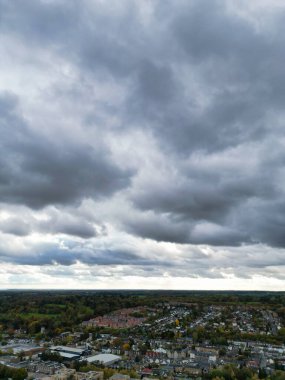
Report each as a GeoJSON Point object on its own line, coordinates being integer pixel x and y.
{"type": "Point", "coordinates": [21, 355]}
{"type": "Point", "coordinates": [126, 347]}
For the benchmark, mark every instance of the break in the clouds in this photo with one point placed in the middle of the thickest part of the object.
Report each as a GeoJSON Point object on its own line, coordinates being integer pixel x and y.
{"type": "Point", "coordinates": [142, 144]}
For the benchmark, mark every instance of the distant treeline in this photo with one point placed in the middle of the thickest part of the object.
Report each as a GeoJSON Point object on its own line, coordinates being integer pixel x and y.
{"type": "Point", "coordinates": [59, 311]}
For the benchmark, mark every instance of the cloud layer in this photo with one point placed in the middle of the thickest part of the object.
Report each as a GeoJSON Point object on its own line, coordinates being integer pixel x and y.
{"type": "Point", "coordinates": [143, 139]}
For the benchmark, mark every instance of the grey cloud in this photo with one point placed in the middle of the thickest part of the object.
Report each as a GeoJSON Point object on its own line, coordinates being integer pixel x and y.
{"type": "Point", "coordinates": [161, 97]}
{"type": "Point", "coordinates": [84, 230]}
{"type": "Point", "coordinates": [158, 228]}
{"type": "Point", "coordinates": [64, 223]}
{"type": "Point", "coordinates": [266, 221]}
{"type": "Point", "coordinates": [211, 29]}
{"type": "Point", "coordinates": [209, 233]}
{"type": "Point", "coordinates": [86, 33]}
{"type": "Point", "coordinates": [40, 21]}
{"type": "Point", "coordinates": [55, 221]}
{"type": "Point", "coordinates": [169, 229]}
{"type": "Point", "coordinates": [54, 255]}
{"type": "Point", "coordinates": [218, 200]}
{"type": "Point", "coordinates": [15, 226]}
{"type": "Point", "coordinates": [221, 88]}
{"type": "Point", "coordinates": [39, 170]}
{"type": "Point", "coordinates": [199, 80]}
{"type": "Point", "coordinates": [156, 85]}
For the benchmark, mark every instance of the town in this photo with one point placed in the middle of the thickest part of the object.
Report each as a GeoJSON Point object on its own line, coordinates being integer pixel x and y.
{"type": "Point", "coordinates": [170, 339]}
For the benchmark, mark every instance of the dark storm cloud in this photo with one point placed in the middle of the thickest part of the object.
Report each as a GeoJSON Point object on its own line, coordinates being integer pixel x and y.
{"type": "Point", "coordinates": [169, 229]}
{"type": "Point", "coordinates": [201, 80]}
{"type": "Point", "coordinates": [68, 226]}
{"type": "Point", "coordinates": [266, 221]}
{"type": "Point", "coordinates": [215, 200]}
{"type": "Point", "coordinates": [38, 170]}
{"type": "Point", "coordinates": [158, 228]}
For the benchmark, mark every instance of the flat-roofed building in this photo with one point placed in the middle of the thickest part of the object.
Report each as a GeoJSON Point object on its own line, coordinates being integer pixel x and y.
{"type": "Point", "coordinates": [105, 359]}
{"type": "Point", "coordinates": [68, 353]}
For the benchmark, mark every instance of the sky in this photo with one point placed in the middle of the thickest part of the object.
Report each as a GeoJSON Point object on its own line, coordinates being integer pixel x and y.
{"type": "Point", "coordinates": [142, 144]}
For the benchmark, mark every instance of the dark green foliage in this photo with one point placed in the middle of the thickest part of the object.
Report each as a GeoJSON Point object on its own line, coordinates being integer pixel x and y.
{"type": "Point", "coordinates": [13, 373]}
{"type": "Point", "coordinates": [53, 356]}
{"type": "Point", "coordinates": [231, 372]}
